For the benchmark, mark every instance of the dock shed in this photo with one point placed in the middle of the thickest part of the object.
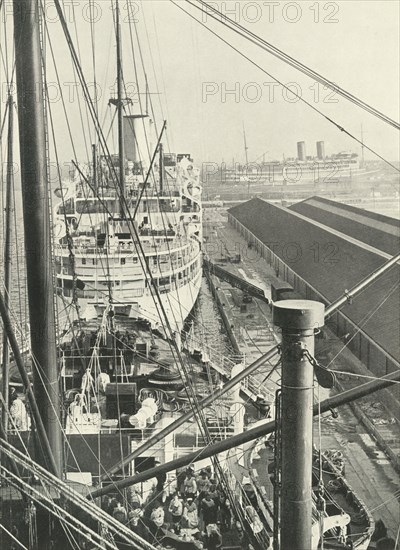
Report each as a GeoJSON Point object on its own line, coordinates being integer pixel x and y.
{"type": "Point", "coordinates": [322, 256]}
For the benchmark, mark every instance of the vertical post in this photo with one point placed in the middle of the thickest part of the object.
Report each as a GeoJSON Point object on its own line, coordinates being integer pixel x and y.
{"type": "Point", "coordinates": [8, 254]}
{"type": "Point", "coordinates": [298, 320]}
{"type": "Point", "coordinates": [247, 160]}
{"type": "Point", "coordinates": [147, 95]}
{"type": "Point", "coordinates": [362, 145]}
{"type": "Point", "coordinates": [34, 178]}
{"type": "Point", "coordinates": [94, 169]}
{"type": "Point", "coordinates": [161, 168]}
{"type": "Point", "coordinates": [121, 149]}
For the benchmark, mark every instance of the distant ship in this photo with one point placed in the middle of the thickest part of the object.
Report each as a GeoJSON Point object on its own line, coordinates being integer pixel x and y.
{"type": "Point", "coordinates": [302, 170]}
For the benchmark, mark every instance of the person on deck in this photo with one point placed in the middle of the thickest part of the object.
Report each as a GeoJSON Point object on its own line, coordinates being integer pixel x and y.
{"type": "Point", "coordinates": [134, 516]}
{"type": "Point", "coordinates": [191, 516]}
{"type": "Point", "coordinates": [134, 498]}
{"type": "Point", "coordinates": [203, 484]}
{"type": "Point", "coordinates": [157, 516]}
{"type": "Point", "coordinates": [208, 509]}
{"type": "Point", "coordinates": [19, 418]}
{"type": "Point", "coordinates": [226, 515]}
{"type": "Point", "coordinates": [190, 485]}
{"type": "Point", "coordinates": [176, 510]}
{"type": "Point", "coordinates": [214, 539]}
{"type": "Point", "coordinates": [120, 513]}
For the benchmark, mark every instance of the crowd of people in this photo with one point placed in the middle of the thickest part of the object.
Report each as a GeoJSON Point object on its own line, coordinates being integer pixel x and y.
{"type": "Point", "coordinates": [192, 512]}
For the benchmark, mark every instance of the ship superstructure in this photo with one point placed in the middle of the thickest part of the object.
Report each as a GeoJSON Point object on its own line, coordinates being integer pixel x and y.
{"type": "Point", "coordinates": [154, 247]}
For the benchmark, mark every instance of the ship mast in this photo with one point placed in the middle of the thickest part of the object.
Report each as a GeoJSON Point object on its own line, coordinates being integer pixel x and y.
{"type": "Point", "coordinates": [35, 195]}
{"type": "Point", "coordinates": [161, 169]}
{"type": "Point", "coordinates": [362, 146]}
{"type": "Point", "coordinates": [245, 146]}
{"type": "Point", "coordinates": [121, 149]}
{"type": "Point", "coordinates": [247, 159]}
{"type": "Point", "coordinates": [7, 253]}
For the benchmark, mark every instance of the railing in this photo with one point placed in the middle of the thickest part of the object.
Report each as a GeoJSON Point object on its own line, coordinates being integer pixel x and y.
{"type": "Point", "coordinates": [176, 245]}
{"type": "Point", "coordinates": [184, 441]}
{"type": "Point", "coordinates": [223, 364]}
{"type": "Point", "coordinates": [110, 193]}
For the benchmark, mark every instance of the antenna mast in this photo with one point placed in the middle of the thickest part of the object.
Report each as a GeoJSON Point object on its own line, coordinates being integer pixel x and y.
{"type": "Point", "coordinates": [121, 151]}
{"type": "Point", "coordinates": [245, 146]}
{"type": "Point", "coordinates": [247, 159]}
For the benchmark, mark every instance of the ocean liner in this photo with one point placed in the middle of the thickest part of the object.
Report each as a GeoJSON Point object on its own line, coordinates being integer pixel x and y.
{"type": "Point", "coordinates": [111, 261]}
{"type": "Point", "coordinates": [111, 388]}
{"type": "Point", "coordinates": [331, 171]}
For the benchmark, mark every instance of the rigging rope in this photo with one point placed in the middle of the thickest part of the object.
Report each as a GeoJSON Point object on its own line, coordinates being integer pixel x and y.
{"type": "Point", "coordinates": [338, 126]}
{"type": "Point", "coordinates": [257, 40]}
{"type": "Point", "coordinates": [70, 494]}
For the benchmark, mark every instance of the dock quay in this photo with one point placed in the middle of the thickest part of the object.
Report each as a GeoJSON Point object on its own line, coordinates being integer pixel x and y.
{"type": "Point", "coordinates": [365, 433]}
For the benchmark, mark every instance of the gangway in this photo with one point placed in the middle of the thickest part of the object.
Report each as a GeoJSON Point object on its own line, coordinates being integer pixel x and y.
{"type": "Point", "coordinates": [235, 281]}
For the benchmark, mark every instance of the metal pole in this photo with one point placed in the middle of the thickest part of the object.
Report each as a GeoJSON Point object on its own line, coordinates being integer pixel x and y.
{"type": "Point", "coordinates": [94, 169]}
{"type": "Point", "coordinates": [8, 255]}
{"type": "Point", "coordinates": [121, 149]}
{"type": "Point", "coordinates": [298, 320]}
{"type": "Point", "coordinates": [34, 178]}
{"type": "Point", "coordinates": [249, 435]}
{"type": "Point", "coordinates": [161, 168]}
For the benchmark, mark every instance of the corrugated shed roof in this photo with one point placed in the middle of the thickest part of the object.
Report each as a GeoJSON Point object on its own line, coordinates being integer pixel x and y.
{"type": "Point", "coordinates": [330, 264]}
{"type": "Point", "coordinates": [377, 230]}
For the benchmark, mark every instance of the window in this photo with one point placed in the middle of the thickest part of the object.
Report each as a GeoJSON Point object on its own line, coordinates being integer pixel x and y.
{"type": "Point", "coordinates": [83, 261]}
{"type": "Point", "coordinates": [123, 261]}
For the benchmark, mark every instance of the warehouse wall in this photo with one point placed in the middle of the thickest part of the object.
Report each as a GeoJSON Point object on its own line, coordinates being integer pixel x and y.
{"type": "Point", "coordinates": [373, 356]}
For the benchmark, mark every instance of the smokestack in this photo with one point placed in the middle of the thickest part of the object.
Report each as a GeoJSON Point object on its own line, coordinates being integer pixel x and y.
{"type": "Point", "coordinates": [136, 136]}
{"type": "Point", "coordinates": [321, 150]}
{"type": "Point", "coordinates": [301, 150]}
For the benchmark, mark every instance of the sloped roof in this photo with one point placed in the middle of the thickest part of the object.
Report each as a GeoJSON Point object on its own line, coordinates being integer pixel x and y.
{"type": "Point", "coordinates": [331, 264]}
{"type": "Point", "coordinates": [377, 230]}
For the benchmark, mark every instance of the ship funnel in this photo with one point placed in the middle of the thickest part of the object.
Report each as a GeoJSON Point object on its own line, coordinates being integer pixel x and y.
{"type": "Point", "coordinates": [321, 150]}
{"type": "Point", "coordinates": [137, 138]}
{"type": "Point", "coordinates": [301, 150]}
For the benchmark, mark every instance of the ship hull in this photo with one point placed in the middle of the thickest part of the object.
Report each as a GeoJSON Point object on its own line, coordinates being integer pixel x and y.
{"type": "Point", "coordinates": [177, 305]}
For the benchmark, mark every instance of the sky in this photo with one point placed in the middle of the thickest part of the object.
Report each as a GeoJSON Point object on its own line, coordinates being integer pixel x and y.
{"type": "Point", "coordinates": [208, 92]}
